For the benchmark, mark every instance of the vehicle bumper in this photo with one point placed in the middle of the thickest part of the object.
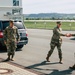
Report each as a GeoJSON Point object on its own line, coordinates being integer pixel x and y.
{"type": "Point", "coordinates": [23, 42]}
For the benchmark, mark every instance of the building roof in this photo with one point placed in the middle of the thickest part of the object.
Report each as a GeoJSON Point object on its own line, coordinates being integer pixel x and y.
{"type": "Point", "coordinates": [10, 7]}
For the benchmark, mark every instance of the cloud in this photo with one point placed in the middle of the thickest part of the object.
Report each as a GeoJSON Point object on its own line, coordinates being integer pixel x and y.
{"type": "Point", "coordinates": [47, 6]}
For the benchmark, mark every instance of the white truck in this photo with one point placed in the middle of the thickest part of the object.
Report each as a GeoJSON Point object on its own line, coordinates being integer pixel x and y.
{"type": "Point", "coordinates": [11, 9]}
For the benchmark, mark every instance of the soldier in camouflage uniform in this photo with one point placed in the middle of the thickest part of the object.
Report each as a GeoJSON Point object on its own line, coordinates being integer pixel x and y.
{"type": "Point", "coordinates": [56, 41]}
{"type": "Point", "coordinates": [72, 67]}
{"type": "Point", "coordinates": [11, 38]}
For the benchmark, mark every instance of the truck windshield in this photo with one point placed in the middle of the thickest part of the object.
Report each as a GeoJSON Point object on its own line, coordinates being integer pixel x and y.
{"type": "Point", "coordinates": [19, 25]}
{"type": "Point", "coordinates": [5, 24]}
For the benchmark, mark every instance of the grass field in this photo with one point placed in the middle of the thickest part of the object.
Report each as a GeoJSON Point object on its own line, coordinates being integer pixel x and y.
{"type": "Point", "coordinates": [49, 25]}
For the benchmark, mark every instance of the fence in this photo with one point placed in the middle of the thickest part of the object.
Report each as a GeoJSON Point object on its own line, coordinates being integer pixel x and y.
{"type": "Point", "coordinates": [44, 24]}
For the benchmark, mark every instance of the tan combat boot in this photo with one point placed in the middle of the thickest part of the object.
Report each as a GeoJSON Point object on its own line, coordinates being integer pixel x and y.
{"type": "Point", "coordinates": [73, 67]}
{"type": "Point", "coordinates": [60, 61]}
{"type": "Point", "coordinates": [47, 59]}
{"type": "Point", "coordinates": [12, 58]}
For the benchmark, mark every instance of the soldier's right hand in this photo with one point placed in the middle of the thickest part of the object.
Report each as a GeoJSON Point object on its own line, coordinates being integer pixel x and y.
{"type": "Point", "coordinates": [5, 42]}
{"type": "Point", "coordinates": [68, 35]}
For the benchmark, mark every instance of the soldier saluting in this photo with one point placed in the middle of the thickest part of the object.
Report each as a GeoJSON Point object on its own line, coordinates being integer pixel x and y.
{"type": "Point", "coordinates": [11, 37]}
{"type": "Point", "coordinates": [56, 41]}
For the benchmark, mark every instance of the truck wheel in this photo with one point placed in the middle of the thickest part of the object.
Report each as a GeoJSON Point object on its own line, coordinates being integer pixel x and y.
{"type": "Point", "coordinates": [19, 47]}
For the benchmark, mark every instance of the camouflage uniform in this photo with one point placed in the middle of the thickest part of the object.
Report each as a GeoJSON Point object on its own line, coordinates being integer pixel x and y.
{"type": "Point", "coordinates": [56, 41]}
{"type": "Point", "coordinates": [11, 36]}
{"type": "Point", "coordinates": [73, 67]}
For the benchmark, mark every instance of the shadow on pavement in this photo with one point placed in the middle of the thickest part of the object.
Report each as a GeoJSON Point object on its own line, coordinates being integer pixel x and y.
{"type": "Point", "coordinates": [72, 39]}
{"type": "Point", "coordinates": [40, 64]}
{"type": "Point", "coordinates": [64, 72]}
{"type": "Point", "coordinates": [54, 71]}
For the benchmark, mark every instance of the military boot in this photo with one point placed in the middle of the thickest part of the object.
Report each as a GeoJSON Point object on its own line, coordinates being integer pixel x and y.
{"type": "Point", "coordinates": [73, 67]}
{"type": "Point", "coordinates": [12, 58]}
{"type": "Point", "coordinates": [60, 61]}
{"type": "Point", "coordinates": [47, 59]}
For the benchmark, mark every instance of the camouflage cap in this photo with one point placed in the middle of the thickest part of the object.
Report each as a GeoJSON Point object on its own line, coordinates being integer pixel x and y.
{"type": "Point", "coordinates": [58, 22]}
{"type": "Point", "coordinates": [10, 20]}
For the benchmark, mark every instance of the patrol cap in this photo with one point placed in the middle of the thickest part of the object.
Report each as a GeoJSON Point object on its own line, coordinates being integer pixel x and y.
{"type": "Point", "coordinates": [10, 20]}
{"type": "Point", "coordinates": [58, 22]}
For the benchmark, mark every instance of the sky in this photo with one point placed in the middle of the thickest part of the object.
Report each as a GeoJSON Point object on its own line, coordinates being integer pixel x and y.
{"type": "Point", "coordinates": [48, 6]}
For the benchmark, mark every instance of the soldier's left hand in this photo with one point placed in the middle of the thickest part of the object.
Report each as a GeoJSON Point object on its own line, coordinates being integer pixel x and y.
{"type": "Point", "coordinates": [68, 35]}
